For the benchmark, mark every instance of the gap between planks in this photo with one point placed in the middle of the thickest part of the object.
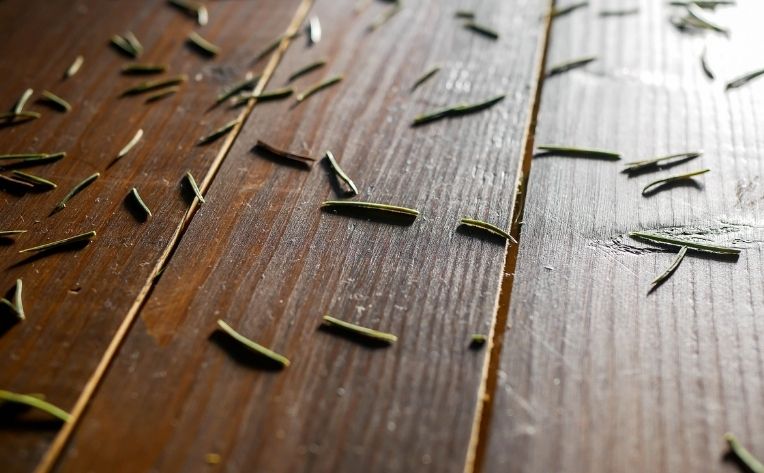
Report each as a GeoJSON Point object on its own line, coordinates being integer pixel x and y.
{"type": "Point", "coordinates": [62, 437]}
{"type": "Point", "coordinates": [479, 438]}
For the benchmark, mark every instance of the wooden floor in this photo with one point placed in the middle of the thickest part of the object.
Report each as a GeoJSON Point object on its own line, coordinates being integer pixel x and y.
{"type": "Point", "coordinates": [584, 369]}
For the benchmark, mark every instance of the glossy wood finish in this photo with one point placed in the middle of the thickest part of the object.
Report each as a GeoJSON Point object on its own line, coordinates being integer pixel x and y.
{"type": "Point", "coordinates": [76, 300]}
{"type": "Point", "coordinates": [596, 375]}
{"type": "Point", "coordinates": [264, 257]}
{"type": "Point", "coordinates": [591, 373]}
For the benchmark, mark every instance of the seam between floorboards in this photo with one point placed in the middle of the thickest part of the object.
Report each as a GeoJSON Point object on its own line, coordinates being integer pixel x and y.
{"type": "Point", "coordinates": [52, 455]}
{"type": "Point", "coordinates": [475, 461]}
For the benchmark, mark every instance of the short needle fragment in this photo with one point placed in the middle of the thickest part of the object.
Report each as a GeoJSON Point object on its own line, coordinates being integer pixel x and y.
{"type": "Point", "coordinates": [353, 190]}
{"type": "Point", "coordinates": [219, 132]}
{"type": "Point", "coordinates": [456, 110]}
{"type": "Point", "coordinates": [653, 186]}
{"type": "Point", "coordinates": [75, 190]}
{"type": "Point", "coordinates": [141, 204]}
{"type": "Point", "coordinates": [253, 346]}
{"type": "Point", "coordinates": [359, 331]}
{"type": "Point", "coordinates": [194, 186]}
{"type": "Point", "coordinates": [672, 267]}
{"type": "Point", "coordinates": [487, 227]}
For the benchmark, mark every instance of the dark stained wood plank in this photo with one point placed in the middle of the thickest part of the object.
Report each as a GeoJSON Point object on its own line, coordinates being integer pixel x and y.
{"type": "Point", "coordinates": [76, 301]}
{"type": "Point", "coordinates": [263, 256]}
{"type": "Point", "coordinates": [596, 375]}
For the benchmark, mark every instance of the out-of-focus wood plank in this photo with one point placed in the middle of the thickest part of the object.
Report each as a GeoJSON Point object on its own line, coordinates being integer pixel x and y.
{"type": "Point", "coordinates": [263, 256]}
{"type": "Point", "coordinates": [596, 375]}
{"type": "Point", "coordinates": [75, 301]}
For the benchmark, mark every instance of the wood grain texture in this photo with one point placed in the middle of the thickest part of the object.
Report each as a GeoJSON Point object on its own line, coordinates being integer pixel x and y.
{"type": "Point", "coordinates": [596, 375]}
{"type": "Point", "coordinates": [76, 300]}
{"type": "Point", "coordinates": [261, 255]}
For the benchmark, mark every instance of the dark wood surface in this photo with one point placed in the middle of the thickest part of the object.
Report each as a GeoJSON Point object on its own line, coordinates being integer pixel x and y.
{"type": "Point", "coordinates": [77, 300]}
{"type": "Point", "coordinates": [596, 375]}
{"type": "Point", "coordinates": [588, 371]}
{"type": "Point", "coordinates": [263, 256]}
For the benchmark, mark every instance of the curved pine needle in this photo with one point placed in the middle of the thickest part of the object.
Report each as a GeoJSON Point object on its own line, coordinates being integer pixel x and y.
{"type": "Point", "coordinates": [223, 130]}
{"type": "Point", "coordinates": [22, 101]}
{"type": "Point", "coordinates": [35, 180]}
{"type": "Point", "coordinates": [129, 146]}
{"type": "Point", "coordinates": [318, 87]}
{"type": "Point", "coordinates": [255, 347]}
{"type": "Point", "coordinates": [75, 67]}
{"type": "Point", "coordinates": [138, 200]}
{"type": "Point", "coordinates": [203, 44]}
{"type": "Point", "coordinates": [393, 209]}
{"type": "Point", "coordinates": [17, 302]}
{"type": "Point", "coordinates": [692, 245]}
{"type": "Point", "coordinates": [160, 94]}
{"type": "Point", "coordinates": [341, 174]}
{"type": "Point", "coordinates": [668, 180]}
{"type": "Point", "coordinates": [10, 233]}
{"type": "Point", "coordinates": [425, 77]}
{"type": "Point", "coordinates": [568, 9]}
{"type": "Point", "coordinates": [456, 110]}
{"type": "Point", "coordinates": [702, 20]}
{"type": "Point", "coordinates": [567, 66]}
{"type": "Point", "coordinates": [87, 236]}
{"type": "Point", "coordinates": [485, 226]}
{"type": "Point", "coordinates": [36, 402]}
{"type": "Point", "coordinates": [578, 152]}
{"type": "Point", "coordinates": [704, 64]}
{"type": "Point", "coordinates": [751, 462]}
{"type": "Point", "coordinates": [663, 161]}
{"type": "Point", "coordinates": [75, 190]}
{"type": "Point", "coordinates": [359, 331]}
{"type": "Point", "coordinates": [481, 29]}
{"type": "Point", "coordinates": [249, 82]}
{"type": "Point", "coordinates": [314, 30]}
{"type": "Point", "coordinates": [194, 186]}
{"type": "Point", "coordinates": [306, 160]}
{"type": "Point", "coordinates": [744, 79]}
{"type": "Point", "coordinates": [54, 99]}
{"type": "Point", "coordinates": [672, 267]}
{"type": "Point", "coordinates": [155, 84]}
{"type": "Point", "coordinates": [465, 14]}
{"type": "Point", "coordinates": [306, 70]}
{"type": "Point", "coordinates": [137, 68]}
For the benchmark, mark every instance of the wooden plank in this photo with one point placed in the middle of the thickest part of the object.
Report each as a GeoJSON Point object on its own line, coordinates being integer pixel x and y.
{"type": "Point", "coordinates": [76, 300]}
{"type": "Point", "coordinates": [264, 257]}
{"type": "Point", "coordinates": [596, 375]}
